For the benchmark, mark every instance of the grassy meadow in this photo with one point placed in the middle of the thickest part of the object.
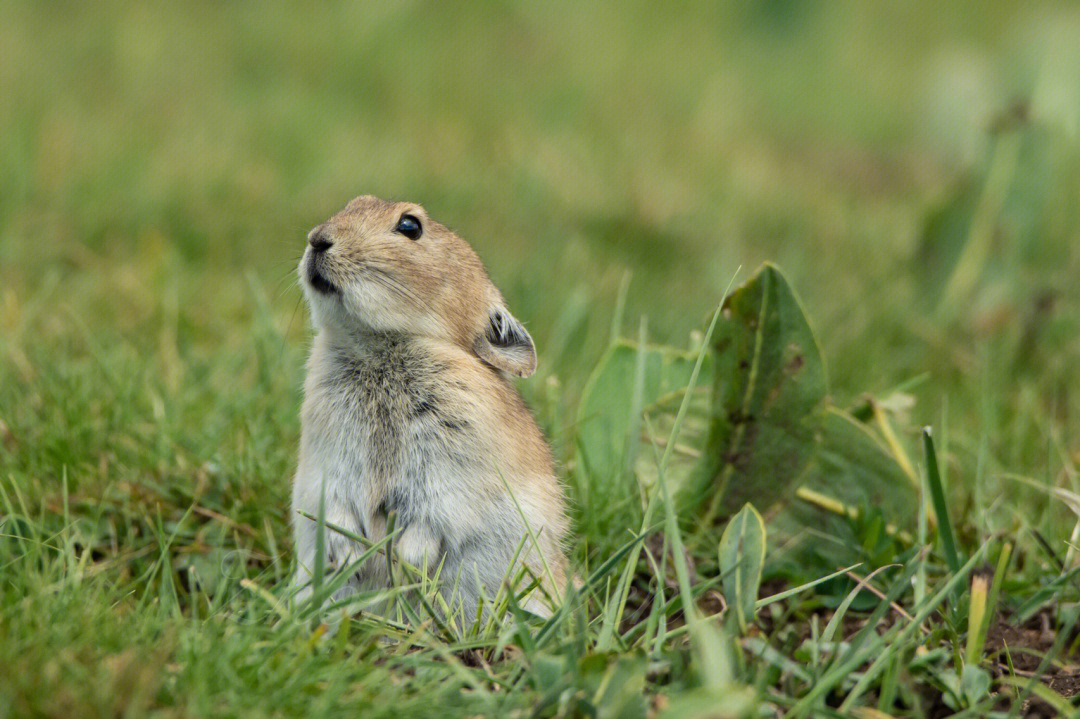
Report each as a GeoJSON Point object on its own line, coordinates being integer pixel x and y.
{"type": "Point", "coordinates": [912, 169]}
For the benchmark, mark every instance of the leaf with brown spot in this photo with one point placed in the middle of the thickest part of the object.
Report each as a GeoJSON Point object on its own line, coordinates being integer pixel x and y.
{"type": "Point", "coordinates": [768, 392]}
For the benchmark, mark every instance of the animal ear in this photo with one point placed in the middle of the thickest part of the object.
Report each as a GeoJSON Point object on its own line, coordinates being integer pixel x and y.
{"type": "Point", "coordinates": [504, 344]}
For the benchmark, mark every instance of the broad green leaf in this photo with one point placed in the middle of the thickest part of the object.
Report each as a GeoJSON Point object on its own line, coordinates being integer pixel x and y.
{"type": "Point", "coordinates": [855, 468]}
{"type": "Point", "coordinates": [732, 702]}
{"type": "Point", "coordinates": [855, 464]}
{"type": "Point", "coordinates": [742, 555]}
{"type": "Point", "coordinates": [720, 695]}
{"type": "Point", "coordinates": [620, 690]}
{"type": "Point", "coordinates": [768, 392]}
{"type": "Point", "coordinates": [974, 684]}
{"type": "Point", "coordinates": [632, 381]}
{"type": "Point", "coordinates": [546, 671]}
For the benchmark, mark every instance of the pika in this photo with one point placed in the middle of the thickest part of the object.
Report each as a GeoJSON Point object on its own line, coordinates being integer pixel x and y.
{"type": "Point", "coordinates": [409, 409]}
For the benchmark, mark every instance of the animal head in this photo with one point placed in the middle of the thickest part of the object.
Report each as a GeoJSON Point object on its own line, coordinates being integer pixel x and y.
{"type": "Point", "coordinates": [386, 267]}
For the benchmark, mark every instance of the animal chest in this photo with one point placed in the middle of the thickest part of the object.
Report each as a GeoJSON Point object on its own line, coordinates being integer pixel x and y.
{"type": "Point", "coordinates": [398, 445]}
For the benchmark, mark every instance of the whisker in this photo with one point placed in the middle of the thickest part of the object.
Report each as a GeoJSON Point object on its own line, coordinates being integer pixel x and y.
{"type": "Point", "coordinates": [290, 270]}
{"type": "Point", "coordinates": [396, 285]}
{"type": "Point", "coordinates": [383, 277]}
{"type": "Point", "coordinates": [282, 286]}
{"type": "Point", "coordinates": [288, 330]}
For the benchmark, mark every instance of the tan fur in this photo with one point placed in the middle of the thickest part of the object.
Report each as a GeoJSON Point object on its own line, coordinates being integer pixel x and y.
{"type": "Point", "coordinates": [408, 409]}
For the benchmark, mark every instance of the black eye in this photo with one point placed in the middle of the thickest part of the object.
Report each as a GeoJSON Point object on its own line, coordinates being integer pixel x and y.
{"type": "Point", "coordinates": [409, 226]}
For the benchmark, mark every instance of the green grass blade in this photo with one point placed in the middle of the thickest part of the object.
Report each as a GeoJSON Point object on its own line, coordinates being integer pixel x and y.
{"type": "Point", "coordinates": [624, 583]}
{"type": "Point", "coordinates": [941, 510]}
{"type": "Point", "coordinates": [780, 596]}
{"type": "Point", "coordinates": [904, 640]}
{"type": "Point", "coordinates": [318, 569]}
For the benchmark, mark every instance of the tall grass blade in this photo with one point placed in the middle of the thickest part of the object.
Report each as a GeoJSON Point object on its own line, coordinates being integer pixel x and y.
{"type": "Point", "coordinates": [622, 591]}
{"type": "Point", "coordinates": [941, 510]}
{"type": "Point", "coordinates": [318, 569]}
{"type": "Point", "coordinates": [904, 639]}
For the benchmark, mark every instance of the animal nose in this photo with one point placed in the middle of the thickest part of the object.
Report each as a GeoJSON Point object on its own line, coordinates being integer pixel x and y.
{"type": "Point", "coordinates": [319, 239]}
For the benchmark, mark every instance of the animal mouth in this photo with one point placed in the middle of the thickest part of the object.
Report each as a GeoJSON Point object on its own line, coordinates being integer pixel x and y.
{"type": "Point", "coordinates": [318, 280]}
{"type": "Point", "coordinates": [321, 284]}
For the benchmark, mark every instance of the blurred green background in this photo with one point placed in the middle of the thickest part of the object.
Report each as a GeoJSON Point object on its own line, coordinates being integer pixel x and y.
{"type": "Point", "coordinates": [161, 165]}
{"type": "Point", "coordinates": [913, 167]}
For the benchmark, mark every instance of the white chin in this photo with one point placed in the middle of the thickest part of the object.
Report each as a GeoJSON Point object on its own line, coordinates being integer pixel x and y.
{"type": "Point", "coordinates": [326, 309]}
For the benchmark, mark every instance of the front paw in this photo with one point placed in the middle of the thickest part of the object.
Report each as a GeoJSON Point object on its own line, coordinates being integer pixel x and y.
{"type": "Point", "coordinates": [418, 546]}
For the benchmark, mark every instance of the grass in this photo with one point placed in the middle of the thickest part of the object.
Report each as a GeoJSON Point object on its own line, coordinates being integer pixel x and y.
{"type": "Point", "coordinates": [914, 170]}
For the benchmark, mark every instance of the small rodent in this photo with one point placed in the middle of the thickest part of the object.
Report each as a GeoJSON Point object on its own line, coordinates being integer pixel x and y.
{"type": "Point", "coordinates": [408, 409]}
